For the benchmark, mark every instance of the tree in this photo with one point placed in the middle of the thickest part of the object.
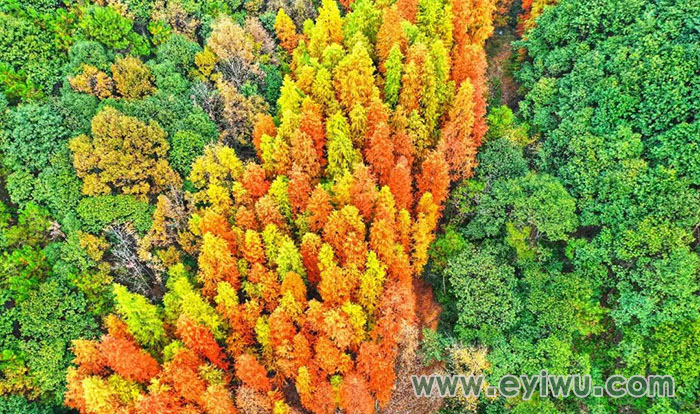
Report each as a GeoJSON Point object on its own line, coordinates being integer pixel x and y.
{"type": "Point", "coordinates": [286, 31]}
{"type": "Point", "coordinates": [127, 359]}
{"type": "Point", "coordinates": [93, 81]}
{"type": "Point", "coordinates": [532, 9]}
{"type": "Point", "coordinates": [434, 177]}
{"type": "Point", "coordinates": [380, 153]}
{"type": "Point", "coordinates": [142, 318]}
{"type": "Point", "coordinates": [485, 292]}
{"type": "Point", "coordinates": [107, 26]}
{"type": "Point", "coordinates": [216, 264]}
{"type": "Point", "coordinates": [363, 192]}
{"type": "Point", "coordinates": [254, 375]}
{"type": "Point", "coordinates": [400, 184]}
{"type": "Point", "coordinates": [132, 78]}
{"type": "Point", "coordinates": [97, 213]}
{"type": "Point", "coordinates": [355, 397]}
{"type": "Point", "coordinates": [229, 40]}
{"type": "Point", "coordinates": [299, 190]}
{"type": "Point", "coordinates": [319, 208]}
{"type": "Point", "coordinates": [311, 124]}
{"type": "Point", "coordinates": [201, 340]}
{"type": "Point", "coordinates": [393, 74]}
{"type": "Point", "coordinates": [391, 35]}
{"type": "Point", "coordinates": [341, 154]}
{"type": "Point", "coordinates": [353, 79]}
{"type": "Point", "coordinates": [459, 144]}
{"type": "Point", "coordinates": [264, 125]}
{"type": "Point", "coordinates": [304, 154]}
{"type": "Point", "coordinates": [35, 134]}
{"type": "Point", "coordinates": [214, 170]}
{"type": "Point", "coordinates": [345, 232]}
{"type": "Point", "coordinates": [328, 28]}
{"type": "Point", "coordinates": [592, 153]}
{"type": "Point", "coordinates": [31, 55]}
{"type": "Point", "coordinates": [37, 335]}
{"type": "Point", "coordinates": [124, 155]}
{"type": "Point", "coordinates": [373, 363]}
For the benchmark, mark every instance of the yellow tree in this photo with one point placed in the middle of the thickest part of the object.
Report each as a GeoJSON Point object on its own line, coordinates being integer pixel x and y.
{"type": "Point", "coordinates": [132, 78]}
{"type": "Point", "coordinates": [286, 31]}
{"type": "Point", "coordinates": [123, 155]}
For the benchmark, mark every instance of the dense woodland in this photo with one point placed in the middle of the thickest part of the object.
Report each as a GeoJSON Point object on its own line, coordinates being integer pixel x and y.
{"type": "Point", "coordinates": [288, 207]}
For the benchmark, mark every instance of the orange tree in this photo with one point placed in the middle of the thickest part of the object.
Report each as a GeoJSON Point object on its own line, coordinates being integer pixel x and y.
{"type": "Point", "coordinates": [306, 258]}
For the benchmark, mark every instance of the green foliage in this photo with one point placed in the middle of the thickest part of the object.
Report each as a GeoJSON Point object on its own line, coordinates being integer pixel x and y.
{"type": "Point", "coordinates": [41, 6]}
{"type": "Point", "coordinates": [42, 313]}
{"type": "Point", "coordinates": [498, 269]}
{"type": "Point", "coordinates": [141, 9]}
{"type": "Point", "coordinates": [179, 51]}
{"type": "Point", "coordinates": [166, 107]}
{"type": "Point", "coordinates": [57, 187]}
{"type": "Point", "coordinates": [186, 146]}
{"type": "Point", "coordinates": [434, 346]}
{"type": "Point", "coordinates": [87, 52]}
{"type": "Point", "coordinates": [96, 213]}
{"type": "Point", "coordinates": [501, 121]}
{"type": "Point", "coordinates": [38, 161]}
{"type": "Point", "coordinates": [107, 26]}
{"type": "Point", "coordinates": [611, 95]}
{"type": "Point", "coordinates": [501, 158]}
{"type": "Point", "coordinates": [684, 366]}
{"type": "Point", "coordinates": [16, 85]}
{"type": "Point", "coordinates": [77, 109]}
{"type": "Point", "coordinates": [74, 264]}
{"type": "Point", "coordinates": [28, 229]}
{"type": "Point", "coordinates": [168, 79]}
{"type": "Point", "coordinates": [36, 132]}
{"type": "Point", "coordinates": [272, 84]}
{"type": "Point", "coordinates": [24, 268]}
{"type": "Point", "coordinates": [17, 404]}
{"type": "Point", "coordinates": [192, 134]}
{"type": "Point", "coordinates": [536, 201]}
{"type": "Point", "coordinates": [484, 292]}
{"type": "Point", "coordinates": [29, 57]}
{"type": "Point", "coordinates": [48, 320]}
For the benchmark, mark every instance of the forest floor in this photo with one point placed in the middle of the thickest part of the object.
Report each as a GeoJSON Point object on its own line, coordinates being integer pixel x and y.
{"type": "Point", "coordinates": [503, 89]}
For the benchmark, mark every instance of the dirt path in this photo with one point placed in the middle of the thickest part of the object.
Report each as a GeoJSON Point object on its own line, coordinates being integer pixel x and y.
{"type": "Point", "coordinates": [503, 89]}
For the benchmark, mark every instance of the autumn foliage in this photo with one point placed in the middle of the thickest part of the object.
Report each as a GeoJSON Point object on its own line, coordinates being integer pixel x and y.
{"type": "Point", "coordinates": [305, 259]}
{"type": "Point", "coordinates": [532, 9]}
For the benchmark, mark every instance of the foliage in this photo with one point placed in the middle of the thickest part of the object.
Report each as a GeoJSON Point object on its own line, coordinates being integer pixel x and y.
{"type": "Point", "coordinates": [596, 243]}
{"type": "Point", "coordinates": [244, 196]}
{"type": "Point", "coordinates": [107, 26]}
{"type": "Point", "coordinates": [90, 95]}
{"type": "Point", "coordinates": [96, 213]}
{"type": "Point", "coordinates": [30, 60]}
{"type": "Point", "coordinates": [42, 313]}
{"type": "Point", "coordinates": [304, 258]}
{"type": "Point", "coordinates": [35, 134]}
{"type": "Point", "coordinates": [123, 155]}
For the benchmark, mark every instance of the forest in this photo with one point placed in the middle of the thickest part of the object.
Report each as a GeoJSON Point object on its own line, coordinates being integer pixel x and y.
{"type": "Point", "coordinates": [292, 206]}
